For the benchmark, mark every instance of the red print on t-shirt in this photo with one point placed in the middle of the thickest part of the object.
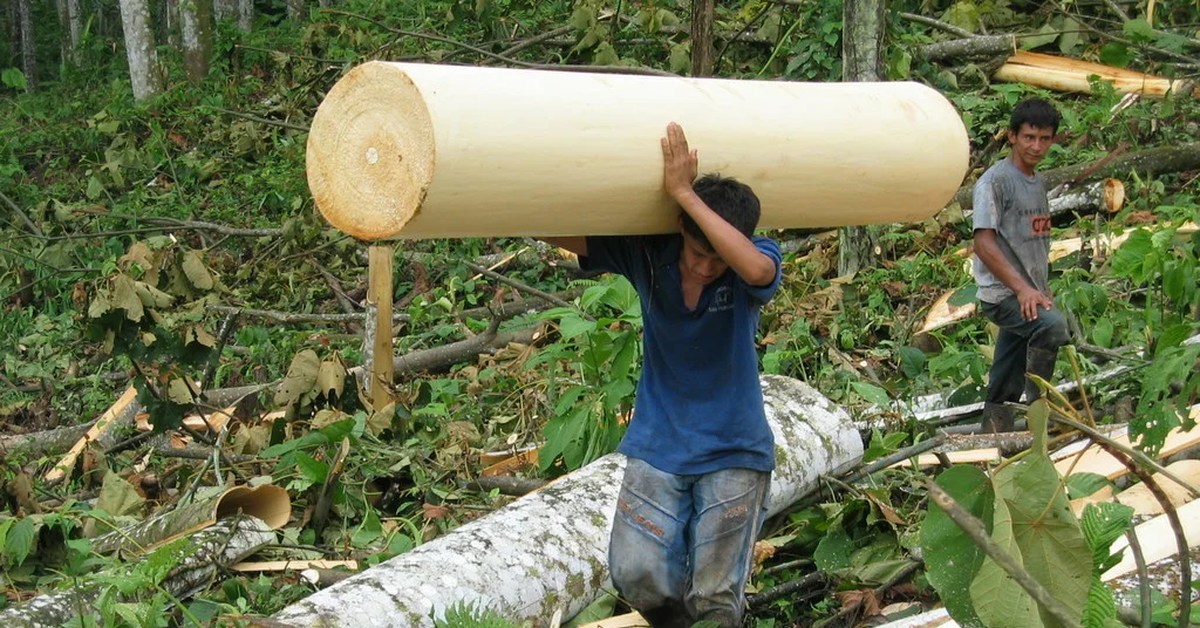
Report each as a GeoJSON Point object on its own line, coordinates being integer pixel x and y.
{"type": "Point", "coordinates": [1039, 226]}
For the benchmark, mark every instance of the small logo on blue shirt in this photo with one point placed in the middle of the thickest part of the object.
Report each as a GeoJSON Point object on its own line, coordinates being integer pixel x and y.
{"type": "Point", "coordinates": [722, 299]}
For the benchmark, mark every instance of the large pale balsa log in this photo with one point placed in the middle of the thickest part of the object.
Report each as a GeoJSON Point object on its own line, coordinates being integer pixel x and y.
{"type": "Point", "coordinates": [1064, 74]}
{"type": "Point", "coordinates": [547, 551]}
{"type": "Point", "coordinates": [197, 560]}
{"type": "Point", "coordinates": [424, 151]}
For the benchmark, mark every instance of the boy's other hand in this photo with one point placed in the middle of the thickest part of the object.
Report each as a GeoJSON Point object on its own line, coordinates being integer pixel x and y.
{"type": "Point", "coordinates": [679, 163]}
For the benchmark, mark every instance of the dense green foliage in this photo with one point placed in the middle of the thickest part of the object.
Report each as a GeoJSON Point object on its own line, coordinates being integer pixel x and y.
{"type": "Point", "coordinates": [108, 277]}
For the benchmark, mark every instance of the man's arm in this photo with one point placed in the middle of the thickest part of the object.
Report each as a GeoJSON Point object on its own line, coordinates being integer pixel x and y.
{"type": "Point", "coordinates": [990, 254]}
{"type": "Point", "coordinates": [574, 244]}
{"type": "Point", "coordinates": [679, 171]}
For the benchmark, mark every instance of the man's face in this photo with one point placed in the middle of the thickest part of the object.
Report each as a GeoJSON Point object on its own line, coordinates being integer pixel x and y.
{"type": "Point", "coordinates": [1030, 145]}
{"type": "Point", "coordinates": [699, 264]}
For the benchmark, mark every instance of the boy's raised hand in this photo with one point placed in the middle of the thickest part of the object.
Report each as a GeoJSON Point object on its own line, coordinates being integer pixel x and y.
{"type": "Point", "coordinates": [680, 164]}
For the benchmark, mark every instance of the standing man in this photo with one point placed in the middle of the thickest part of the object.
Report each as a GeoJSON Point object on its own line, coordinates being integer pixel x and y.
{"type": "Point", "coordinates": [699, 449]}
{"type": "Point", "coordinates": [1012, 264]}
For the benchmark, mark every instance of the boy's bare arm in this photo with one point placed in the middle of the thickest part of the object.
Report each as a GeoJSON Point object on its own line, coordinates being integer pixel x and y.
{"type": "Point", "coordinates": [679, 171]}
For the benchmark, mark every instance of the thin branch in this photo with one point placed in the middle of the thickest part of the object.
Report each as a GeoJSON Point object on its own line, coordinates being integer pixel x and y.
{"type": "Point", "coordinates": [293, 317]}
{"type": "Point", "coordinates": [516, 284]}
{"type": "Point", "coordinates": [928, 21]}
{"type": "Point", "coordinates": [974, 529]}
{"type": "Point", "coordinates": [261, 120]}
{"type": "Point", "coordinates": [20, 214]}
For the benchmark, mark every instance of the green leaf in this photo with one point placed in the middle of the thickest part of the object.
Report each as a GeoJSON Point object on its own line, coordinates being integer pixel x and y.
{"type": "Point", "coordinates": [300, 379]}
{"type": "Point", "coordinates": [952, 558]}
{"type": "Point", "coordinates": [834, 550]}
{"type": "Point", "coordinates": [1115, 54]}
{"type": "Point", "coordinates": [1139, 30]}
{"type": "Point", "coordinates": [311, 469]}
{"type": "Point", "coordinates": [1054, 550]}
{"type": "Point", "coordinates": [963, 295]}
{"type": "Point", "coordinates": [18, 543]}
{"type": "Point", "coordinates": [997, 598]}
{"type": "Point", "coordinates": [1085, 483]}
{"type": "Point", "coordinates": [1045, 34]}
{"type": "Point", "coordinates": [872, 393]}
{"type": "Point", "coordinates": [912, 361]}
{"type": "Point", "coordinates": [1102, 523]}
{"type": "Point", "coordinates": [1127, 261]}
{"type": "Point", "coordinates": [1101, 608]}
{"type": "Point", "coordinates": [572, 325]}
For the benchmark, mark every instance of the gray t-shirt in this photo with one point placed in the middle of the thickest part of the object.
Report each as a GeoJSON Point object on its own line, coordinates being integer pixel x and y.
{"type": "Point", "coordinates": [1015, 205]}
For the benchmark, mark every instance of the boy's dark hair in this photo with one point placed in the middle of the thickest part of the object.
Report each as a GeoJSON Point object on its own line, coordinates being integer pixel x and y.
{"type": "Point", "coordinates": [731, 199]}
{"type": "Point", "coordinates": [1036, 113]}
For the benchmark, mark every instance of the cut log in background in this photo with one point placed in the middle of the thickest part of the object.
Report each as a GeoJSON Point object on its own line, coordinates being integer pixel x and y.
{"type": "Point", "coordinates": [424, 151]}
{"type": "Point", "coordinates": [1064, 74]}
{"type": "Point", "coordinates": [547, 552]}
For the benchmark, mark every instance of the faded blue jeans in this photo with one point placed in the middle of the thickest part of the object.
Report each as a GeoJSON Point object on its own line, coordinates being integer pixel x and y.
{"type": "Point", "coordinates": [681, 544]}
{"type": "Point", "coordinates": [1006, 380]}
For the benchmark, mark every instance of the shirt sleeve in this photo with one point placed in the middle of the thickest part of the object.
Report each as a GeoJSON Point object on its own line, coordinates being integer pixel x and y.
{"type": "Point", "coordinates": [988, 199]}
{"type": "Point", "coordinates": [770, 248]}
{"type": "Point", "coordinates": [617, 254]}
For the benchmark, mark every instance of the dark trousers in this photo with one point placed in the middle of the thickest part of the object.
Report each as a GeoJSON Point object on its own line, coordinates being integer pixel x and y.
{"type": "Point", "coordinates": [1006, 380]}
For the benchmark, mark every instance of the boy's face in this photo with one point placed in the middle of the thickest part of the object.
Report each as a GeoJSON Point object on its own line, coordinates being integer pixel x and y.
{"type": "Point", "coordinates": [1030, 145]}
{"type": "Point", "coordinates": [698, 263]}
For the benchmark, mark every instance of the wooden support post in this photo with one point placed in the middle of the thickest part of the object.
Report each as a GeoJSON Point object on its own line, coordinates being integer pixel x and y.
{"type": "Point", "coordinates": [379, 311]}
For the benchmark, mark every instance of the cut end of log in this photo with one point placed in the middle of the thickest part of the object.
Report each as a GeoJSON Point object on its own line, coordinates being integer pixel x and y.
{"type": "Point", "coordinates": [363, 157]}
{"type": "Point", "coordinates": [1114, 195]}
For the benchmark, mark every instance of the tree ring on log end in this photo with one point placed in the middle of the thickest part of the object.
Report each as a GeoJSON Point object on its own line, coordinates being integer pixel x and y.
{"type": "Point", "coordinates": [363, 157]}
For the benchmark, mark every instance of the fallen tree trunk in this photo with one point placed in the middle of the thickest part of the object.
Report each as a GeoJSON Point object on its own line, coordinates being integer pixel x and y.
{"type": "Point", "coordinates": [982, 46]}
{"type": "Point", "coordinates": [36, 444]}
{"type": "Point", "coordinates": [1149, 163]}
{"type": "Point", "coordinates": [547, 551]}
{"type": "Point", "coordinates": [197, 560]}
{"type": "Point", "coordinates": [266, 502]}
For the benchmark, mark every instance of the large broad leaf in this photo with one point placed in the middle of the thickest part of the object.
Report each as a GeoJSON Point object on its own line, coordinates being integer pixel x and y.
{"type": "Point", "coordinates": [300, 378]}
{"type": "Point", "coordinates": [1053, 547]}
{"type": "Point", "coordinates": [950, 555]}
{"type": "Point", "coordinates": [998, 599]}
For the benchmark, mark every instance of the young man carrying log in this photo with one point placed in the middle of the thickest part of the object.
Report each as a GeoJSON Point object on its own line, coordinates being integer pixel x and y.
{"type": "Point", "coordinates": [700, 453]}
{"type": "Point", "coordinates": [1012, 267]}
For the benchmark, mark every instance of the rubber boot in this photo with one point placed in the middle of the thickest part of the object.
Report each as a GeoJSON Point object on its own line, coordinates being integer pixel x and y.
{"type": "Point", "coordinates": [1038, 362]}
{"type": "Point", "coordinates": [997, 417]}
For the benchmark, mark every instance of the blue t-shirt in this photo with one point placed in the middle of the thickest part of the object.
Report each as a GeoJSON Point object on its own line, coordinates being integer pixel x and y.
{"type": "Point", "coordinates": [699, 405]}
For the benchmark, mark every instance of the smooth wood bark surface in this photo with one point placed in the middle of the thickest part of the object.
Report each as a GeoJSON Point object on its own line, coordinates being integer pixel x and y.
{"type": "Point", "coordinates": [547, 552]}
{"type": "Point", "coordinates": [425, 151]}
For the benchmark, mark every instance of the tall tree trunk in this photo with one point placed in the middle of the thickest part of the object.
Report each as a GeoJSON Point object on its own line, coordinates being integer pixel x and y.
{"type": "Point", "coordinates": [245, 15]}
{"type": "Point", "coordinates": [296, 9]}
{"type": "Point", "coordinates": [28, 58]}
{"type": "Point", "coordinates": [225, 9]}
{"type": "Point", "coordinates": [862, 60]}
{"type": "Point", "coordinates": [702, 37]}
{"type": "Point", "coordinates": [74, 29]}
{"type": "Point", "coordinates": [196, 27]}
{"type": "Point", "coordinates": [139, 49]}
